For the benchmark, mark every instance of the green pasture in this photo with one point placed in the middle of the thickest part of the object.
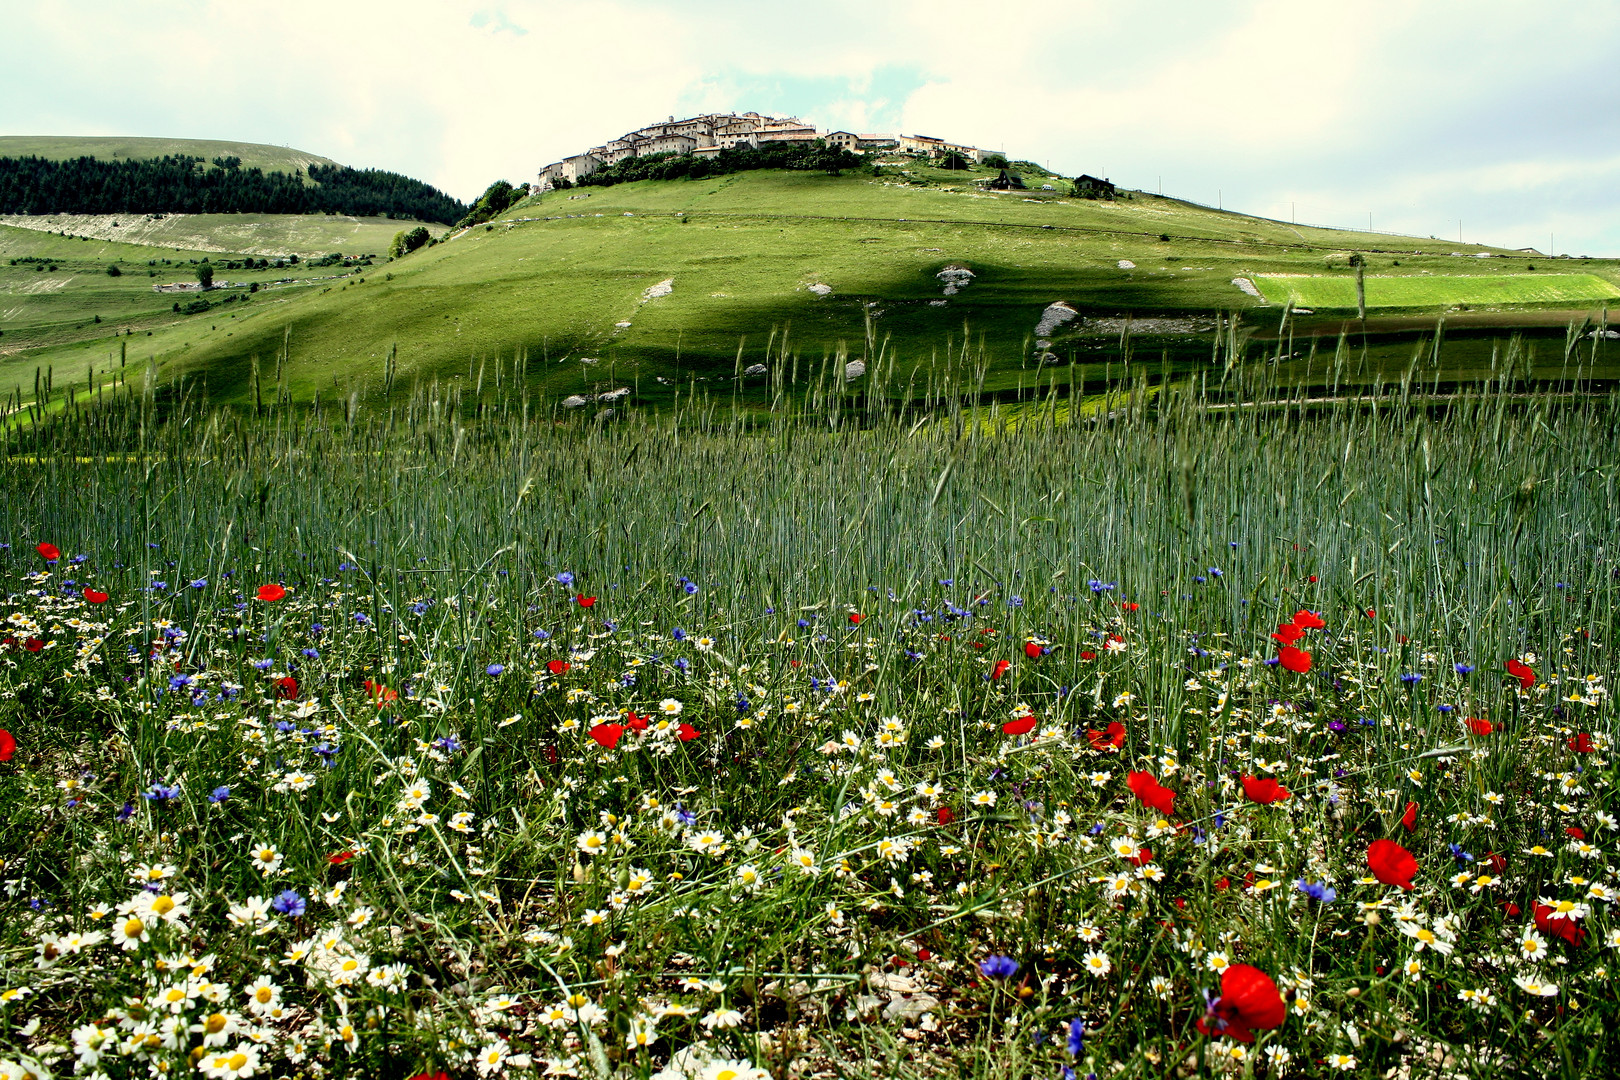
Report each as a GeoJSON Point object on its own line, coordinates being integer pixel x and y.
{"type": "Point", "coordinates": [1439, 291]}
{"type": "Point", "coordinates": [273, 235]}
{"type": "Point", "coordinates": [552, 280]}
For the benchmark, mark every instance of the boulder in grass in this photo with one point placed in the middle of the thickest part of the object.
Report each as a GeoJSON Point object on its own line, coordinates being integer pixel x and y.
{"type": "Point", "coordinates": [854, 369]}
{"type": "Point", "coordinates": [753, 371]}
{"type": "Point", "coordinates": [573, 401]}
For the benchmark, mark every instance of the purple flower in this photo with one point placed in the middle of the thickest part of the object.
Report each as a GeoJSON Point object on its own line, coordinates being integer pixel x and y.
{"type": "Point", "coordinates": [1317, 890]}
{"type": "Point", "coordinates": [494, 669]}
{"type": "Point", "coordinates": [219, 795]}
{"type": "Point", "coordinates": [288, 902]}
{"type": "Point", "coordinates": [565, 578]}
{"type": "Point", "coordinates": [1077, 1037]}
{"type": "Point", "coordinates": [998, 967]}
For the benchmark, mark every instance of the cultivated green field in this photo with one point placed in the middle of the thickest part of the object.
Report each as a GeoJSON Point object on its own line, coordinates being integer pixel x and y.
{"type": "Point", "coordinates": [275, 235]}
{"type": "Point", "coordinates": [791, 270]}
{"type": "Point", "coordinates": [1412, 291]}
{"type": "Point", "coordinates": [108, 147]}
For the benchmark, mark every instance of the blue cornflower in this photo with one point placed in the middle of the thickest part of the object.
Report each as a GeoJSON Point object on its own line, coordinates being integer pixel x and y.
{"type": "Point", "coordinates": [177, 681]}
{"type": "Point", "coordinates": [1460, 855]}
{"type": "Point", "coordinates": [947, 582]}
{"type": "Point", "coordinates": [262, 665]}
{"type": "Point", "coordinates": [1214, 571]}
{"type": "Point", "coordinates": [1464, 669]}
{"type": "Point", "coordinates": [542, 635]}
{"type": "Point", "coordinates": [690, 587]}
{"type": "Point", "coordinates": [317, 629]}
{"type": "Point", "coordinates": [1198, 579]}
{"type": "Point", "coordinates": [449, 744]}
{"type": "Point", "coordinates": [682, 663]}
{"type": "Point", "coordinates": [288, 902]}
{"type": "Point", "coordinates": [678, 634]}
{"type": "Point", "coordinates": [200, 583]}
{"type": "Point", "coordinates": [161, 792]}
{"type": "Point", "coordinates": [1015, 601]}
{"type": "Point", "coordinates": [1077, 1037]}
{"type": "Point", "coordinates": [312, 654]}
{"type": "Point", "coordinates": [494, 669]}
{"type": "Point", "coordinates": [159, 586]}
{"type": "Point", "coordinates": [126, 813]}
{"type": "Point", "coordinates": [219, 794]}
{"type": "Point", "coordinates": [998, 967]}
{"type": "Point", "coordinates": [362, 618]}
{"type": "Point", "coordinates": [803, 623]}
{"type": "Point", "coordinates": [565, 578]}
{"type": "Point", "coordinates": [1411, 678]}
{"type": "Point", "coordinates": [1317, 890]}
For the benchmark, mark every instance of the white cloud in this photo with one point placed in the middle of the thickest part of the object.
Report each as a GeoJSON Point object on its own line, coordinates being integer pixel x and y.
{"type": "Point", "coordinates": [1493, 111]}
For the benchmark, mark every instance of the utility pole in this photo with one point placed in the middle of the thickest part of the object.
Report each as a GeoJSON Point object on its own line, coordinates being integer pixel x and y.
{"type": "Point", "coordinates": [1293, 218]}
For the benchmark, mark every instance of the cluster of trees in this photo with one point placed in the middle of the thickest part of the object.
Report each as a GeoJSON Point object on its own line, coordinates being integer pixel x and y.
{"type": "Point", "coordinates": [181, 184]}
{"type": "Point", "coordinates": [495, 200]}
{"type": "Point", "coordinates": [407, 242]}
{"type": "Point", "coordinates": [802, 156]}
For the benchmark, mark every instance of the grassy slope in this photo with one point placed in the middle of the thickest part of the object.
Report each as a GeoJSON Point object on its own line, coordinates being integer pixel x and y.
{"type": "Point", "coordinates": [741, 253]}
{"type": "Point", "coordinates": [253, 155]}
{"type": "Point", "coordinates": [272, 235]}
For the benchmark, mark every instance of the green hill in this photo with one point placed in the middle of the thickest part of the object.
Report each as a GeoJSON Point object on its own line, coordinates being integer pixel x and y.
{"type": "Point", "coordinates": [659, 284]}
{"type": "Point", "coordinates": [111, 147]}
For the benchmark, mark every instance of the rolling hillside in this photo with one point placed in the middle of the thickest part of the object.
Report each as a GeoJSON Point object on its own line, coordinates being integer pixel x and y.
{"type": "Point", "coordinates": [655, 285]}
{"type": "Point", "coordinates": [109, 147]}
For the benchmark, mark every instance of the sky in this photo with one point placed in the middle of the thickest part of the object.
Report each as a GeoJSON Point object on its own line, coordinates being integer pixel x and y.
{"type": "Point", "coordinates": [1497, 122]}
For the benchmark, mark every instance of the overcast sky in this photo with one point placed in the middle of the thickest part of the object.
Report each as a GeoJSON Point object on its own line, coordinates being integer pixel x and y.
{"type": "Point", "coordinates": [1499, 115]}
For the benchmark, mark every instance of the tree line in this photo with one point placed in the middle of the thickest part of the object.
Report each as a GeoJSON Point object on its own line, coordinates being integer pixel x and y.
{"type": "Point", "coordinates": [781, 155]}
{"type": "Point", "coordinates": [182, 184]}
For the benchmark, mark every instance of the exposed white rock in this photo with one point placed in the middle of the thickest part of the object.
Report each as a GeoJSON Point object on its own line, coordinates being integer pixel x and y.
{"type": "Point", "coordinates": [819, 289]}
{"type": "Point", "coordinates": [572, 401]}
{"type": "Point", "coordinates": [663, 288]}
{"type": "Point", "coordinates": [755, 370]}
{"type": "Point", "coordinates": [1126, 264]}
{"type": "Point", "coordinates": [1247, 286]}
{"type": "Point", "coordinates": [854, 369]}
{"type": "Point", "coordinates": [1055, 315]}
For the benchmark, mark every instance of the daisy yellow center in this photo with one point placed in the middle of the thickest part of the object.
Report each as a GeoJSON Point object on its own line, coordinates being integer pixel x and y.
{"type": "Point", "coordinates": [215, 1024]}
{"type": "Point", "coordinates": [163, 905]}
{"type": "Point", "coordinates": [236, 1061]}
{"type": "Point", "coordinates": [134, 928]}
{"type": "Point", "coordinates": [262, 995]}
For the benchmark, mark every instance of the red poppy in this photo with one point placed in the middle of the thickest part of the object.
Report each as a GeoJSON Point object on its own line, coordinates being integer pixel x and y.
{"type": "Point", "coordinates": [557, 667]}
{"type": "Point", "coordinates": [1582, 743]}
{"type": "Point", "coordinates": [635, 723]}
{"type": "Point", "coordinates": [855, 618]}
{"type": "Point", "coordinates": [1372, 614]}
{"type": "Point", "coordinates": [1522, 672]}
{"type": "Point", "coordinates": [1497, 864]}
{"type": "Point", "coordinates": [1249, 1000]}
{"type": "Point", "coordinates": [93, 596]}
{"type": "Point", "coordinates": [945, 816]}
{"type": "Point", "coordinates": [686, 732]}
{"type": "Point", "coordinates": [1308, 620]}
{"type": "Point", "coordinates": [1087, 654]}
{"type": "Point", "coordinates": [1127, 606]}
{"type": "Point", "coordinates": [440, 1075]}
{"type": "Point", "coordinates": [1265, 792]}
{"type": "Point", "coordinates": [271, 593]}
{"type": "Point", "coordinates": [1480, 726]}
{"type": "Point", "coordinates": [584, 601]}
{"type": "Point", "coordinates": [1223, 884]}
{"type": "Point", "coordinates": [924, 955]}
{"type": "Point", "coordinates": [1391, 863]}
{"type": "Point", "coordinates": [551, 755]}
{"type": "Point", "coordinates": [1575, 831]}
{"type": "Point", "coordinates": [8, 745]}
{"type": "Point", "coordinates": [340, 858]}
{"type": "Point", "coordinates": [381, 694]}
{"type": "Point", "coordinates": [1296, 660]}
{"type": "Point", "coordinates": [48, 552]}
{"type": "Point", "coordinates": [1000, 669]}
{"type": "Point", "coordinates": [33, 644]}
{"type": "Point", "coordinates": [607, 735]}
{"type": "Point", "coordinates": [1152, 793]}
{"type": "Point", "coordinates": [1142, 857]}
{"type": "Point", "coordinates": [1032, 650]}
{"type": "Point", "coordinates": [1510, 909]}
{"type": "Point", "coordinates": [1111, 737]}
{"type": "Point", "coordinates": [1313, 579]}
{"type": "Point", "coordinates": [1021, 726]}
{"type": "Point", "coordinates": [1557, 925]}
{"type": "Point", "coordinates": [1288, 633]}
{"type": "Point", "coordinates": [1409, 818]}
{"type": "Point", "coordinates": [287, 688]}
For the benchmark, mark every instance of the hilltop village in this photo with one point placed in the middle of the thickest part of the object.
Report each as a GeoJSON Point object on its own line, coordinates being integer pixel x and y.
{"type": "Point", "coordinates": [714, 132]}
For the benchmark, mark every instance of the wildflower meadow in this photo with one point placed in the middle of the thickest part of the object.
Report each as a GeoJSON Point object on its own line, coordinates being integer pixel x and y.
{"type": "Point", "coordinates": [1187, 737]}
